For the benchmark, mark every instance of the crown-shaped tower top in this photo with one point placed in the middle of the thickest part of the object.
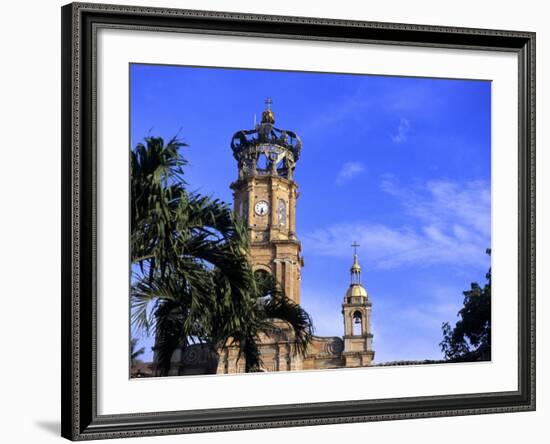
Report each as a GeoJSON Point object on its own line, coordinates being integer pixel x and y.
{"type": "Point", "coordinates": [266, 150]}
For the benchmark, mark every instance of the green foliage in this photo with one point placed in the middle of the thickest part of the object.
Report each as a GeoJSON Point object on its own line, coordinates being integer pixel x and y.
{"type": "Point", "coordinates": [470, 339]}
{"type": "Point", "coordinates": [135, 354]}
{"type": "Point", "coordinates": [156, 186]}
{"type": "Point", "coordinates": [270, 304]}
{"type": "Point", "coordinates": [195, 283]}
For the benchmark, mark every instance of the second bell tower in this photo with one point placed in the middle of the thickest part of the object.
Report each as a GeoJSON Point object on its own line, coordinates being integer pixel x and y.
{"type": "Point", "coordinates": [265, 195]}
{"type": "Point", "coordinates": [356, 310]}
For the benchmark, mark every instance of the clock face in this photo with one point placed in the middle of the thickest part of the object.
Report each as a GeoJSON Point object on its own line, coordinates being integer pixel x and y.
{"type": "Point", "coordinates": [261, 208]}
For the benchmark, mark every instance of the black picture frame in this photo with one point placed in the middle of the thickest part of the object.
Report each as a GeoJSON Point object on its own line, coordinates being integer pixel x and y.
{"type": "Point", "coordinates": [80, 420]}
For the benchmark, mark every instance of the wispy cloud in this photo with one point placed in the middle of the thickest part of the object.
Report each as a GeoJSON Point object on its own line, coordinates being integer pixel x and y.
{"type": "Point", "coordinates": [391, 318]}
{"type": "Point", "coordinates": [348, 171]}
{"type": "Point", "coordinates": [411, 97]}
{"type": "Point", "coordinates": [402, 132]}
{"type": "Point", "coordinates": [422, 324]}
{"type": "Point", "coordinates": [463, 207]}
{"type": "Point", "coordinates": [351, 107]}
{"type": "Point", "coordinates": [448, 223]}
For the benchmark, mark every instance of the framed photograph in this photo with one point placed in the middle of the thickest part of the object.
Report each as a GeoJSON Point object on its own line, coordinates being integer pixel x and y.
{"type": "Point", "coordinates": [275, 221]}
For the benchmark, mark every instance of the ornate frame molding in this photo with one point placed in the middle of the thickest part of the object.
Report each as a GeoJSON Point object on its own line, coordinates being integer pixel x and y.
{"type": "Point", "coordinates": [80, 22]}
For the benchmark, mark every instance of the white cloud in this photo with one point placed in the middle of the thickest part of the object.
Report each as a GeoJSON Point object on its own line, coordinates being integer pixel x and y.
{"type": "Point", "coordinates": [402, 131]}
{"type": "Point", "coordinates": [420, 314]}
{"type": "Point", "coordinates": [348, 171]}
{"type": "Point", "coordinates": [466, 206]}
{"type": "Point", "coordinates": [448, 223]}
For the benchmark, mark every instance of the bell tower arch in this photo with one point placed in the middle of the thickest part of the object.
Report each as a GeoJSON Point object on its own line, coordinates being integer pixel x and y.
{"type": "Point", "coordinates": [265, 196]}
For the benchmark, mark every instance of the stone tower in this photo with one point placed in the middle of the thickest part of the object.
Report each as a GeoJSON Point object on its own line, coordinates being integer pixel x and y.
{"type": "Point", "coordinates": [356, 310]}
{"type": "Point", "coordinates": [265, 196]}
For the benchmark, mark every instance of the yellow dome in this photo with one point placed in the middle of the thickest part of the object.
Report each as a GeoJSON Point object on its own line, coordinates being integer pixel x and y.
{"type": "Point", "coordinates": [268, 116]}
{"type": "Point", "coordinates": [356, 290]}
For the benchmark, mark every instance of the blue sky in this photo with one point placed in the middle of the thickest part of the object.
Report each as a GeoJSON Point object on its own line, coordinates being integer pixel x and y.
{"type": "Point", "coordinates": [400, 165]}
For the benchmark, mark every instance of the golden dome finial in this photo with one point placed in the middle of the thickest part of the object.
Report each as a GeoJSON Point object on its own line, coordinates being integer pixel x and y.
{"type": "Point", "coordinates": [267, 115]}
{"type": "Point", "coordinates": [356, 289]}
{"type": "Point", "coordinates": [355, 268]}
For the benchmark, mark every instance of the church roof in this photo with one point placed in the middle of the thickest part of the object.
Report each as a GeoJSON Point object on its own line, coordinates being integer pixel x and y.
{"type": "Point", "coordinates": [357, 290]}
{"type": "Point", "coordinates": [418, 362]}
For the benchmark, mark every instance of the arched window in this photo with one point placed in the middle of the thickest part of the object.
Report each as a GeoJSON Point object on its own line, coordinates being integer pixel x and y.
{"type": "Point", "coordinates": [263, 280]}
{"type": "Point", "coordinates": [244, 210]}
{"type": "Point", "coordinates": [281, 212]}
{"type": "Point", "coordinates": [263, 163]}
{"type": "Point", "coordinates": [357, 324]}
{"type": "Point", "coordinates": [260, 273]}
{"type": "Point", "coordinates": [282, 167]}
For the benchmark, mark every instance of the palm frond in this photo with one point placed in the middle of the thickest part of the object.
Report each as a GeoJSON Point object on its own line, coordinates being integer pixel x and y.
{"type": "Point", "coordinates": [192, 276]}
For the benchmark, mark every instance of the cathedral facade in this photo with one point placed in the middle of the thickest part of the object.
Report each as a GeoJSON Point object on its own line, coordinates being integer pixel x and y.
{"type": "Point", "coordinates": [266, 196]}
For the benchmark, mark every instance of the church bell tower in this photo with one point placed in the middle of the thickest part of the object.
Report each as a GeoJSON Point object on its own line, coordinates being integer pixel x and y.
{"type": "Point", "coordinates": [265, 195]}
{"type": "Point", "coordinates": [356, 310]}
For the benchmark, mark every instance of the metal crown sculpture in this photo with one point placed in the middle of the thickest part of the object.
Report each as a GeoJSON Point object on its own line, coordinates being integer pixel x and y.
{"type": "Point", "coordinates": [266, 149]}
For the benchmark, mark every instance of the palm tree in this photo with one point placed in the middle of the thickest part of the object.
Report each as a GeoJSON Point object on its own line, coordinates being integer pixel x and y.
{"type": "Point", "coordinates": [135, 354]}
{"type": "Point", "coordinates": [178, 320]}
{"type": "Point", "coordinates": [191, 277]}
{"type": "Point", "coordinates": [270, 306]}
